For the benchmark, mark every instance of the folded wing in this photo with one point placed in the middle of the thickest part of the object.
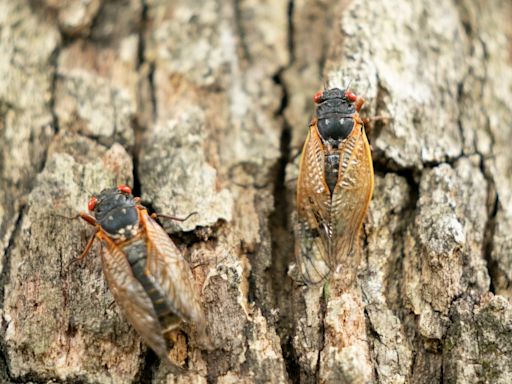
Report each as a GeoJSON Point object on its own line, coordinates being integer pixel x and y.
{"type": "Point", "coordinates": [132, 298]}
{"type": "Point", "coordinates": [350, 199]}
{"type": "Point", "coordinates": [313, 205]}
{"type": "Point", "coordinates": [172, 273]}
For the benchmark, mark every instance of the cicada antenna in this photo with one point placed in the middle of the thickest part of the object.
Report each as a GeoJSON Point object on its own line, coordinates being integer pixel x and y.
{"type": "Point", "coordinates": [160, 215]}
{"type": "Point", "coordinates": [74, 217]}
{"type": "Point", "coordinates": [348, 85]}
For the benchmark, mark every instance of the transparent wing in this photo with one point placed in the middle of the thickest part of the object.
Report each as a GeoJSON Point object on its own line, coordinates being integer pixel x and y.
{"type": "Point", "coordinates": [171, 272]}
{"type": "Point", "coordinates": [131, 297]}
{"type": "Point", "coordinates": [350, 199]}
{"type": "Point", "coordinates": [313, 204]}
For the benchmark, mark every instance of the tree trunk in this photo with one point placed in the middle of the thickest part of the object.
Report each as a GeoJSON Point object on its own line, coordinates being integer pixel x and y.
{"type": "Point", "coordinates": [203, 106]}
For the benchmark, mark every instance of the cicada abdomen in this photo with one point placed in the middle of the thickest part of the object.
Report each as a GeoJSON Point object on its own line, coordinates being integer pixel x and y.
{"type": "Point", "coordinates": [334, 188]}
{"type": "Point", "coordinates": [149, 278]}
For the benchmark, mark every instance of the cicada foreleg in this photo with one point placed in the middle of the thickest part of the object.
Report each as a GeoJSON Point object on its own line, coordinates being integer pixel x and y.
{"type": "Point", "coordinates": [359, 103]}
{"type": "Point", "coordinates": [368, 122]}
{"type": "Point", "coordinates": [87, 248]}
{"type": "Point", "coordinates": [90, 220]}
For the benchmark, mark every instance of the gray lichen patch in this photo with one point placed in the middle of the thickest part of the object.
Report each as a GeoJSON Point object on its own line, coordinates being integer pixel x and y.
{"type": "Point", "coordinates": [95, 92]}
{"type": "Point", "coordinates": [446, 238]}
{"type": "Point", "coordinates": [496, 100]}
{"type": "Point", "coordinates": [345, 357]}
{"type": "Point", "coordinates": [201, 94]}
{"type": "Point", "coordinates": [388, 216]}
{"type": "Point", "coordinates": [502, 255]}
{"type": "Point", "coordinates": [264, 355]}
{"type": "Point", "coordinates": [28, 43]}
{"type": "Point", "coordinates": [200, 41]}
{"type": "Point", "coordinates": [75, 17]}
{"type": "Point", "coordinates": [174, 163]}
{"type": "Point", "coordinates": [422, 100]}
{"type": "Point", "coordinates": [307, 324]}
{"type": "Point", "coordinates": [478, 342]}
{"type": "Point", "coordinates": [229, 317]}
{"type": "Point", "coordinates": [86, 104]}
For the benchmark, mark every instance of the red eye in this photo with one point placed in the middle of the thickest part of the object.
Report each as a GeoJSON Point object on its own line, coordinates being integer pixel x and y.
{"type": "Point", "coordinates": [125, 189]}
{"type": "Point", "coordinates": [350, 96]}
{"type": "Point", "coordinates": [92, 203]}
{"type": "Point", "coordinates": [318, 97]}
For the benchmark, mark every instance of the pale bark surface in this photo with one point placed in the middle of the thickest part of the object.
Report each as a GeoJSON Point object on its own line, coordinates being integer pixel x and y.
{"type": "Point", "coordinates": [203, 106]}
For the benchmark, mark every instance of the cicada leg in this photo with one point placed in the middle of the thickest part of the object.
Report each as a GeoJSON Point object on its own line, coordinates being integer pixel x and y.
{"type": "Point", "coordinates": [90, 220]}
{"type": "Point", "coordinates": [85, 252]}
{"type": "Point", "coordinates": [369, 121]}
{"type": "Point", "coordinates": [87, 248]}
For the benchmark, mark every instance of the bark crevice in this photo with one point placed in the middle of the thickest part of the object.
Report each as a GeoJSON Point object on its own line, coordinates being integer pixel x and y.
{"type": "Point", "coordinates": [4, 278]}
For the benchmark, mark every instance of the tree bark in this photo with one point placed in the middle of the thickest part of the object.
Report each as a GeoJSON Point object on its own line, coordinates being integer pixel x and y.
{"type": "Point", "coordinates": [203, 107]}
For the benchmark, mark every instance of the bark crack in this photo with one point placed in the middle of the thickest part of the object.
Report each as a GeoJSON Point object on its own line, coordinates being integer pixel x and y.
{"type": "Point", "coordinates": [4, 278]}
{"type": "Point", "coordinates": [147, 369]}
{"type": "Point", "coordinates": [490, 225]}
{"type": "Point", "coordinates": [137, 125]}
{"type": "Point", "coordinates": [246, 54]}
{"type": "Point", "coordinates": [54, 61]}
{"type": "Point", "coordinates": [6, 261]}
{"type": "Point", "coordinates": [411, 175]}
{"type": "Point", "coordinates": [279, 223]}
{"type": "Point", "coordinates": [322, 314]}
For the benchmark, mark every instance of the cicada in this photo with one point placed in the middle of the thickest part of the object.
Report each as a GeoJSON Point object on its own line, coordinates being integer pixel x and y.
{"type": "Point", "coordinates": [149, 278]}
{"type": "Point", "coordinates": [334, 187]}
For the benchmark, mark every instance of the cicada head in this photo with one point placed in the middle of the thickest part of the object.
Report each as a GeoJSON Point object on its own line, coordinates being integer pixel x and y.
{"type": "Point", "coordinates": [334, 114]}
{"type": "Point", "coordinates": [115, 211]}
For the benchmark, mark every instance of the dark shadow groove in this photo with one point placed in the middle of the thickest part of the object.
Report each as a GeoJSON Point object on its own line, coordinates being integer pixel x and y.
{"type": "Point", "coordinates": [138, 128]}
{"type": "Point", "coordinates": [291, 31]}
{"type": "Point", "coordinates": [411, 175]}
{"type": "Point", "coordinates": [150, 364]}
{"type": "Point", "coordinates": [279, 226]}
{"type": "Point", "coordinates": [322, 314]}
{"type": "Point", "coordinates": [490, 227]}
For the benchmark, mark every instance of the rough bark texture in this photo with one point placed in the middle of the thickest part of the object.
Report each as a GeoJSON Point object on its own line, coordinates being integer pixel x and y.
{"type": "Point", "coordinates": [203, 106]}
